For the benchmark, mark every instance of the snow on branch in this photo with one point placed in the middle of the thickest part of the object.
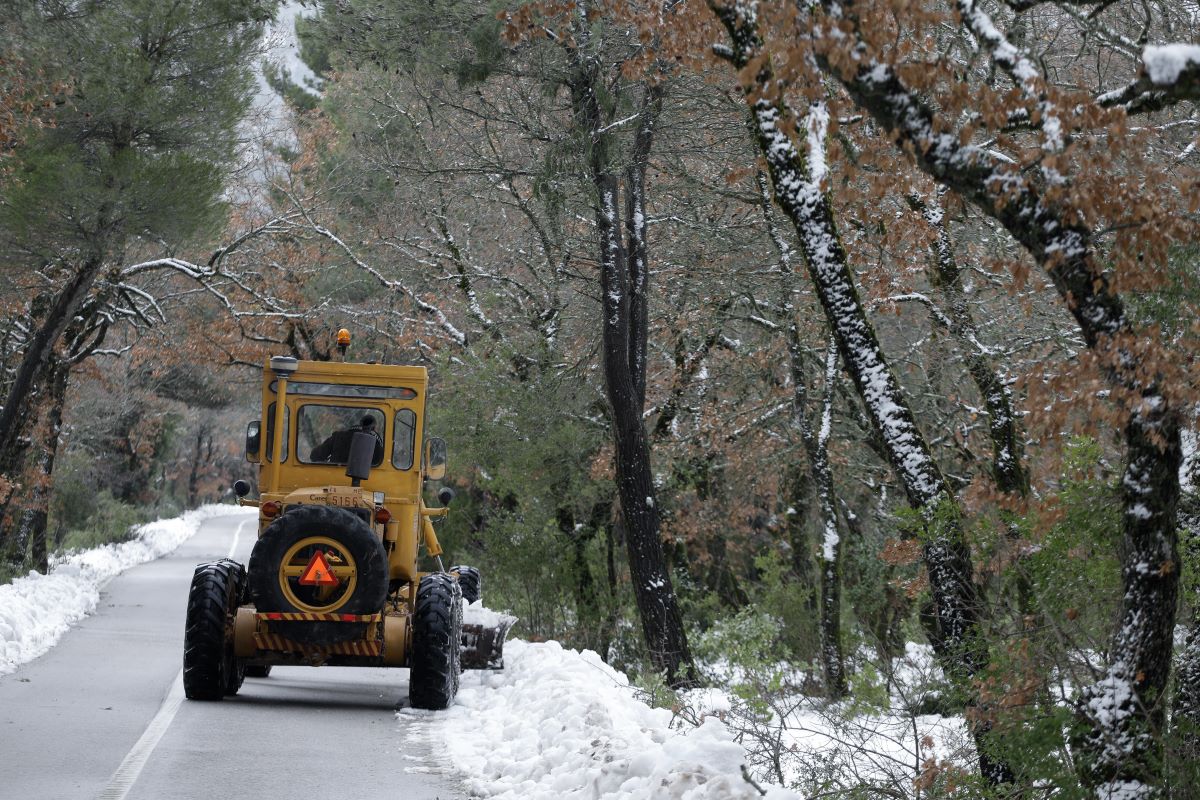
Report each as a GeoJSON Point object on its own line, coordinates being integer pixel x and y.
{"type": "Point", "coordinates": [1018, 66]}
{"type": "Point", "coordinates": [1170, 74]}
{"type": "Point", "coordinates": [1052, 231]}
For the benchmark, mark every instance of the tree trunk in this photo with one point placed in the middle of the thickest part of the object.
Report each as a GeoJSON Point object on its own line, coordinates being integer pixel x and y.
{"type": "Point", "coordinates": [29, 511]}
{"type": "Point", "coordinates": [201, 457]}
{"type": "Point", "coordinates": [816, 446]}
{"type": "Point", "coordinates": [1008, 468]}
{"type": "Point", "coordinates": [832, 657]}
{"type": "Point", "coordinates": [623, 284]}
{"type": "Point", "coordinates": [1124, 712]}
{"type": "Point", "coordinates": [1121, 715]}
{"type": "Point", "coordinates": [38, 352]}
{"type": "Point", "coordinates": [797, 496]}
{"type": "Point", "coordinates": [798, 193]}
{"type": "Point", "coordinates": [1184, 757]}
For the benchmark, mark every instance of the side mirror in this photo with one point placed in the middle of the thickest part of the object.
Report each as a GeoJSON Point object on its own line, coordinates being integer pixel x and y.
{"type": "Point", "coordinates": [435, 458]}
{"type": "Point", "coordinates": [362, 453]}
{"type": "Point", "coordinates": [445, 495]}
{"type": "Point", "coordinates": [253, 440]}
{"type": "Point", "coordinates": [241, 488]}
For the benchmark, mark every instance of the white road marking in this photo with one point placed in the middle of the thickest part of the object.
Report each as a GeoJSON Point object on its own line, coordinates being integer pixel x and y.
{"type": "Point", "coordinates": [135, 760]}
{"type": "Point", "coordinates": [127, 774]}
{"type": "Point", "coordinates": [238, 534]}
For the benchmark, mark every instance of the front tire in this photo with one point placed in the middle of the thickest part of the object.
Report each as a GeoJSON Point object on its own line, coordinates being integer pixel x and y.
{"type": "Point", "coordinates": [470, 581]}
{"type": "Point", "coordinates": [435, 662]}
{"type": "Point", "coordinates": [210, 669]}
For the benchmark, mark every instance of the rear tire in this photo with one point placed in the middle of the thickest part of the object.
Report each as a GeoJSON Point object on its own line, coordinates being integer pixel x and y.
{"type": "Point", "coordinates": [258, 670]}
{"type": "Point", "coordinates": [435, 662]}
{"type": "Point", "coordinates": [471, 583]}
{"type": "Point", "coordinates": [210, 669]}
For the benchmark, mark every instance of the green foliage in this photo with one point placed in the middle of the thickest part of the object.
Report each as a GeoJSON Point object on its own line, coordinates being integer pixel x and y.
{"type": "Point", "coordinates": [314, 47]}
{"type": "Point", "coordinates": [292, 93]}
{"type": "Point", "coordinates": [778, 595]}
{"type": "Point", "coordinates": [453, 37]}
{"type": "Point", "coordinates": [131, 152]}
{"type": "Point", "coordinates": [742, 651]}
{"type": "Point", "coordinates": [1180, 288]}
{"type": "Point", "coordinates": [487, 52]}
{"type": "Point", "coordinates": [1076, 568]}
{"type": "Point", "coordinates": [1073, 578]}
{"type": "Point", "coordinates": [652, 690]}
{"type": "Point", "coordinates": [530, 450]}
{"type": "Point", "coordinates": [870, 587]}
{"type": "Point", "coordinates": [103, 520]}
{"type": "Point", "coordinates": [868, 691]}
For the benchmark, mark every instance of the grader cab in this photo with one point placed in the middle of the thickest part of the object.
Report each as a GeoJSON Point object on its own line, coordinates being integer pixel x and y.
{"type": "Point", "coordinates": [334, 577]}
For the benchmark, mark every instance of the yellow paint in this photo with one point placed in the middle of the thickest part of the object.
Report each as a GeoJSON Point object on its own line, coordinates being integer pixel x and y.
{"type": "Point", "coordinates": [327, 484]}
{"type": "Point", "coordinates": [245, 625]}
{"type": "Point", "coordinates": [395, 640]}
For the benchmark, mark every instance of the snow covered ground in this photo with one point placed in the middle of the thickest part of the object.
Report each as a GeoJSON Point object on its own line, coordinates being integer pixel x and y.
{"type": "Point", "coordinates": [558, 723]}
{"type": "Point", "coordinates": [36, 610]}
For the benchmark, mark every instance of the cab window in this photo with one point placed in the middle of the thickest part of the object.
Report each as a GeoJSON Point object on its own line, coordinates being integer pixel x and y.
{"type": "Point", "coordinates": [324, 432]}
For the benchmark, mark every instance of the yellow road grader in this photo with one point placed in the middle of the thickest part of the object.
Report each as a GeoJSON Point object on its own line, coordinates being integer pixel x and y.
{"type": "Point", "coordinates": [333, 578]}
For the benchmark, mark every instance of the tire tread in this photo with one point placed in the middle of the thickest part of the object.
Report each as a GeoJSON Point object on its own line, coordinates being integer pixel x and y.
{"type": "Point", "coordinates": [210, 670]}
{"type": "Point", "coordinates": [435, 662]}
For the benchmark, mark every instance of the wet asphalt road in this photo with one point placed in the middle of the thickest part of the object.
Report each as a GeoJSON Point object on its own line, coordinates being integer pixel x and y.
{"type": "Point", "coordinates": [108, 696]}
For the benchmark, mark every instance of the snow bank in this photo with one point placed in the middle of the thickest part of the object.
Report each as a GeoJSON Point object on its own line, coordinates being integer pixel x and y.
{"type": "Point", "coordinates": [557, 723]}
{"type": "Point", "coordinates": [36, 610]}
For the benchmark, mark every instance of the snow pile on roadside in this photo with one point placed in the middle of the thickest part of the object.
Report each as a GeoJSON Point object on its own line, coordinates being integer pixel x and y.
{"type": "Point", "coordinates": [36, 610]}
{"type": "Point", "coordinates": [557, 723]}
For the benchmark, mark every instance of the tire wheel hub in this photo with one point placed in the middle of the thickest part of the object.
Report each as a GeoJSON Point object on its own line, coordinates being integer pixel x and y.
{"type": "Point", "coordinates": [317, 597]}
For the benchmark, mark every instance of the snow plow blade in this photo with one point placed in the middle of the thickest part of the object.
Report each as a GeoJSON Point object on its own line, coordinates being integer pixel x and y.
{"type": "Point", "coordinates": [483, 634]}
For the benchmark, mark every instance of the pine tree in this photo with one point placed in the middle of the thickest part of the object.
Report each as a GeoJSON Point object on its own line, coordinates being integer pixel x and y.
{"type": "Point", "coordinates": [135, 154]}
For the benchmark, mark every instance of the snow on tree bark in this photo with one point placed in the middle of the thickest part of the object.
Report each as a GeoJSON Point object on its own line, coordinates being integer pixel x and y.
{"type": "Point", "coordinates": [1121, 716]}
{"type": "Point", "coordinates": [832, 656]}
{"type": "Point", "coordinates": [945, 553]}
{"type": "Point", "coordinates": [623, 286]}
{"type": "Point", "coordinates": [1008, 469]}
{"type": "Point", "coordinates": [816, 447]}
{"type": "Point", "coordinates": [1185, 706]}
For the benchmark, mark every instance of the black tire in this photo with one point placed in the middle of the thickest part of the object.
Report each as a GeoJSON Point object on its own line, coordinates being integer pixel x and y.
{"type": "Point", "coordinates": [435, 662]}
{"type": "Point", "coordinates": [471, 583]}
{"type": "Point", "coordinates": [351, 533]}
{"type": "Point", "coordinates": [210, 670]}
{"type": "Point", "coordinates": [258, 670]}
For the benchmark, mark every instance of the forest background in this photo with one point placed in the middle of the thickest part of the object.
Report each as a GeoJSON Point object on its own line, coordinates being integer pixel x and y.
{"type": "Point", "coordinates": [769, 339]}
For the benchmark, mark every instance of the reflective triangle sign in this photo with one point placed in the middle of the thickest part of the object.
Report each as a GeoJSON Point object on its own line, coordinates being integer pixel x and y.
{"type": "Point", "coordinates": [317, 573]}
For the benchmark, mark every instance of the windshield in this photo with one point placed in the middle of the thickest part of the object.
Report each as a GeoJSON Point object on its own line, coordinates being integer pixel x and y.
{"type": "Point", "coordinates": [324, 432]}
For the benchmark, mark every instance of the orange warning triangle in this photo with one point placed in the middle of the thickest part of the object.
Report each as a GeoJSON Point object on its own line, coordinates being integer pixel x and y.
{"type": "Point", "coordinates": [317, 573]}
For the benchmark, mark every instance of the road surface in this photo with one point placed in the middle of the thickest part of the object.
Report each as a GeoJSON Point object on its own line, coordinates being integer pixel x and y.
{"type": "Point", "coordinates": [102, 716]}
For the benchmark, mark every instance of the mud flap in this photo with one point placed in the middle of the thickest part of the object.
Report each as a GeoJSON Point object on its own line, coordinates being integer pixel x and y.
{"type": "Point", "coordinates": [483, 634]}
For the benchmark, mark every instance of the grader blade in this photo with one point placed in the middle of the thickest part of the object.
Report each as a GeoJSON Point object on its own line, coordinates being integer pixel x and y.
{"type": "Point", "coordinates": [483, 634]}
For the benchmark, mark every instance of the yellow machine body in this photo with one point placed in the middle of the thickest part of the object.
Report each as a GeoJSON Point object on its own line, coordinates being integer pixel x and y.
{"type": "Point", "coordinates": [288, 477]}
